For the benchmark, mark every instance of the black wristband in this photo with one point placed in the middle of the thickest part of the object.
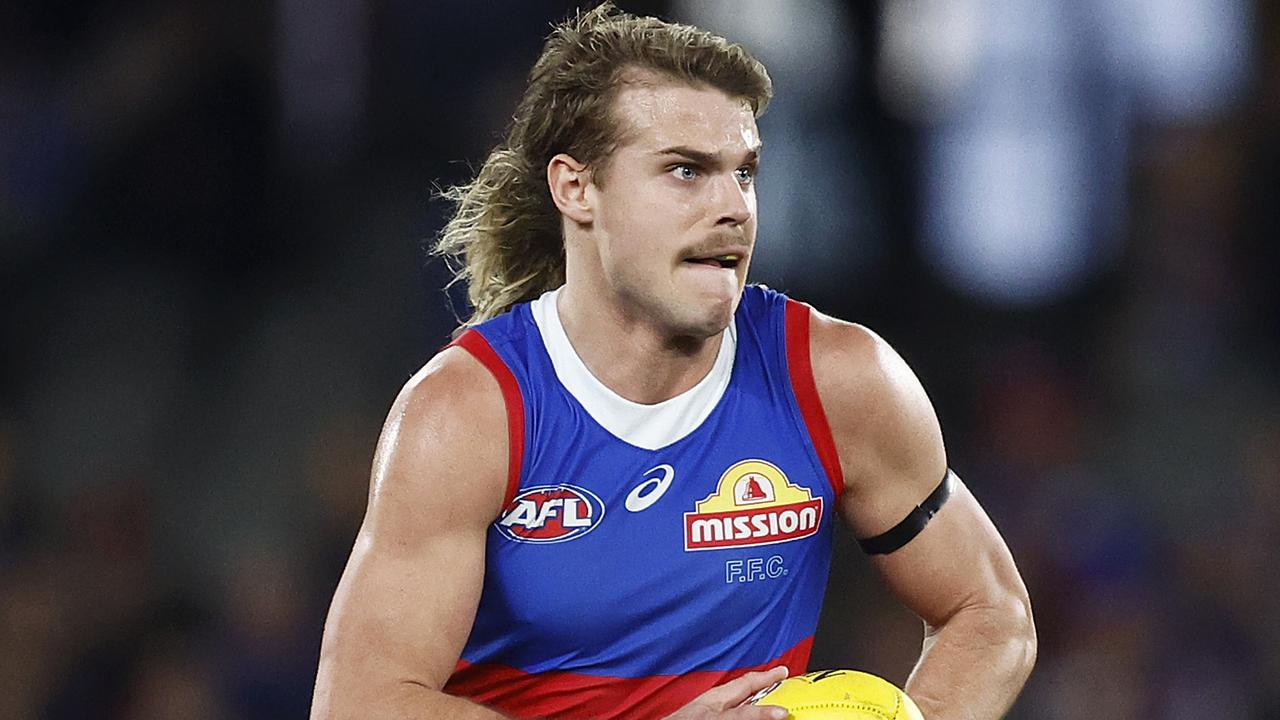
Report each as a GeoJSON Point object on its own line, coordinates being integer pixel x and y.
{"type": "Point", "coordinates": [902, 533]}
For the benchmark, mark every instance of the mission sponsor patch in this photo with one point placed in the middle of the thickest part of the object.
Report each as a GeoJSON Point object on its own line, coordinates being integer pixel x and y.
{"type": "Point", "coordinates": [753, 504]}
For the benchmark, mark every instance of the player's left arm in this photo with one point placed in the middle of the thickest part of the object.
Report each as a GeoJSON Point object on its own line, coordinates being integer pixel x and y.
{"type": "Point", "coordinates": [956, 573]}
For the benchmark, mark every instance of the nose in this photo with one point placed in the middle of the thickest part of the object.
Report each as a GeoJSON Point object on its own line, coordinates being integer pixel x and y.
{"type": "Point", "coordinates": [734, 203]}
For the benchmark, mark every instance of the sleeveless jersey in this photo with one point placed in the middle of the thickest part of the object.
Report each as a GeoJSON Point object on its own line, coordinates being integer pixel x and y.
{"type": "Point", "coordinates": [623, 581]}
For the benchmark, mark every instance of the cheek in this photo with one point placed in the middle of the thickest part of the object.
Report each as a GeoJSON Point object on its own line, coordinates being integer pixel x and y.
{"type": "Point", "coordinates": [645, 220]}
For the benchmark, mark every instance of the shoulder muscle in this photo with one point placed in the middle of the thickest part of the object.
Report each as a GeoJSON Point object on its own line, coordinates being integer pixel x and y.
{"type": "Point", "coordinates": [883, 423]}
{"type": "Point", "coordinates": [444, 443]}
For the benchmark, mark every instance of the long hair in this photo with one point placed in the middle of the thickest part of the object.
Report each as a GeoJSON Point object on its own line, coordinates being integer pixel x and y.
{"type": "Point", "coordinates": [504, 239]}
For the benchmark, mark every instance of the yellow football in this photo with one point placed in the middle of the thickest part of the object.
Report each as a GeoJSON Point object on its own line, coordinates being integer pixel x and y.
{"type": "Point", "coordinates": [839, 695]}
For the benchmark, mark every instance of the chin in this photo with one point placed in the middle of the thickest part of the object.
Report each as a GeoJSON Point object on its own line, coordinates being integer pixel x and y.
{"type": "Point", "coordinates": [708, 320]}
{"type": "Point", "coordinates": [712, 327]}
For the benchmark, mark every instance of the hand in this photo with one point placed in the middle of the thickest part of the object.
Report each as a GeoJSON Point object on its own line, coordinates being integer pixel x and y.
{"type": "Point", "coordinates": [724, 702]}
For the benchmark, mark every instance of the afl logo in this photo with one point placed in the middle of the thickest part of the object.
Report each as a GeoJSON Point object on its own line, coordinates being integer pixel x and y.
{"type": "Point", "coordinates": [551, 514]}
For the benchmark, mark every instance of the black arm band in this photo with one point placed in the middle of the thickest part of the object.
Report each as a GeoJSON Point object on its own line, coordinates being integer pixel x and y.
{"type": "Point", "coordinates": [902, 533]}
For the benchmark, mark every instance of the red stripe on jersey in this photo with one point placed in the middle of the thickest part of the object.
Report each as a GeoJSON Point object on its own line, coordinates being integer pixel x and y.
{"type": "Point", "coordinates": [476, 344]}
{"type": "Point", "coordinates": [800, 367]}
{"type": "Point", "coordinates": [576, 696]}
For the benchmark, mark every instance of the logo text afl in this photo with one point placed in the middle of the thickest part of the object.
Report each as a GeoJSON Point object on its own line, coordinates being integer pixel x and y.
{"type": "Point", "coordinates": [551, 514]}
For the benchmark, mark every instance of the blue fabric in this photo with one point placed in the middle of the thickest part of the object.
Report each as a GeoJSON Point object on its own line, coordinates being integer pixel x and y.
{"type": "Point", "coordinates": [609, 591]}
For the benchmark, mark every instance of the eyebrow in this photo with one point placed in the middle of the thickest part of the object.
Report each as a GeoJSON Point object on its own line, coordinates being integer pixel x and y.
{"type": "Point", "coordinates": [706, 158]}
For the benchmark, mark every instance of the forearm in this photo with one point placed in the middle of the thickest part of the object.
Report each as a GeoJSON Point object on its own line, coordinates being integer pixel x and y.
{"type": "Point", "coordinates": [974, 666]}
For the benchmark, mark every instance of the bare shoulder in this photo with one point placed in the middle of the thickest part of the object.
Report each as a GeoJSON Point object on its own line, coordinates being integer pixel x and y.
{"type": "Point", "coordinates": [444, 442]}
{"type": "Point", "coordinates": [848, 353]}
{"type": "Point", "coordinates": [882, 421]}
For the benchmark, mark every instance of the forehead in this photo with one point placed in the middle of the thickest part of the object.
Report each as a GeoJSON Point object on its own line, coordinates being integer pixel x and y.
{"type": "Point", "coordinates": [659, 114]}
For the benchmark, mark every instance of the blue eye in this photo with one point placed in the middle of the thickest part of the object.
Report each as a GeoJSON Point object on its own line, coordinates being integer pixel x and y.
{"type": "Point", "coordinates": [745, 175]}
{"type": "Point", "coordinates": [684, 172]}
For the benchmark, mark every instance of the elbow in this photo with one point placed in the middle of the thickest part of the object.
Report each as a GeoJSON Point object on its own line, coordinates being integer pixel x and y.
{"type": "Point", "coordinates": [1010, 629]}
{"type": "Point", "coordinates": [1023, 639]}
{"type": "Point", "coordinates": [1032, 646]}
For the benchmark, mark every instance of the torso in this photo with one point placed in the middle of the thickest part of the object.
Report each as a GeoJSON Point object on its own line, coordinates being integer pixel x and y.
{"type": "Point", "coordinates": [647, 553]}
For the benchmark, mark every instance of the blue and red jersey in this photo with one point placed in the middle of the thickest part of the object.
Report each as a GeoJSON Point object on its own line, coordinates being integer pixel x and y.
{"type": "Point", "coordinates": [626, 576]}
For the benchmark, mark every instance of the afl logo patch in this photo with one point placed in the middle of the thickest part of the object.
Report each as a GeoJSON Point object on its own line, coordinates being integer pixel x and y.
{"type": "Point", "coordinates": [551, 514]}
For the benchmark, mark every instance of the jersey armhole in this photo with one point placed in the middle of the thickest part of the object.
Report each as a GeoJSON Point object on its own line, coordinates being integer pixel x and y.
{"type": "Point", "coordinates": [800, 369]}
{"type": "Point", "coordinates": [476, 344]}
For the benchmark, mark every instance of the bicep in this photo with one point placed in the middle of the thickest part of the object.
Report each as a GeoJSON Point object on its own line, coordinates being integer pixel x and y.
{"type": "Point", "coordinates": [958, 560]}
{"type": "Point", "coordinates": [892, 454]}
{"type": "Point", "coordinates": [407, 599]}
{"type": "Point", "coordinates": [402, 612]}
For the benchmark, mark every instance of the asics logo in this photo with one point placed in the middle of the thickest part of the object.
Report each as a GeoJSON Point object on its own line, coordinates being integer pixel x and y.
{"type": "Point", "coordinates": [644, 495]}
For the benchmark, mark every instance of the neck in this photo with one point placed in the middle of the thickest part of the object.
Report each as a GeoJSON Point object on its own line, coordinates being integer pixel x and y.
{"type": "Point", "coordinates": [627, 352]}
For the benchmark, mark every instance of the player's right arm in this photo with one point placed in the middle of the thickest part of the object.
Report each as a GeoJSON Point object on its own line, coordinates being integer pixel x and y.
{"type": "Point", "coordinates": [407, 599]}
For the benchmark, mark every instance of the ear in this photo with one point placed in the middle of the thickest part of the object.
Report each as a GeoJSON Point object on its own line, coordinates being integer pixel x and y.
{"type": "Point", "coordinates": [568, 180]}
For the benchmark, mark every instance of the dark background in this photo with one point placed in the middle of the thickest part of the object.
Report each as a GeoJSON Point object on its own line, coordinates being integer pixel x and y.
{"type": "Point", "coordinates": [213, 221]}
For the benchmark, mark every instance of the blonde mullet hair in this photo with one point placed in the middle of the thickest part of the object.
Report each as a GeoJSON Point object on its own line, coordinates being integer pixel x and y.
{"type": "Point", "coordinates": [505, 237]}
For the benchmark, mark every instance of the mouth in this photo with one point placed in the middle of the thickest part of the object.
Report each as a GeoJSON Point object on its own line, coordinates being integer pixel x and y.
{"type": "Point", "coordinates": [727, 261]}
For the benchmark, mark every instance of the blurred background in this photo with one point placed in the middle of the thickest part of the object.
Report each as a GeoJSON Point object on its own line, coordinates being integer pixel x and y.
{"type": "Point", "coordinates": [213, 218]}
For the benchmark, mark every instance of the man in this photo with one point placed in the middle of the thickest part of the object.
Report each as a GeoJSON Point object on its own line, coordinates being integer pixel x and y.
{"type": "Point", "coordinates": [649, 535]}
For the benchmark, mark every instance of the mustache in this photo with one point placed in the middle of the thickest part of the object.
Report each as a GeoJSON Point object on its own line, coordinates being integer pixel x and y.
{"type": "Point", "coordinates": [714, 242]}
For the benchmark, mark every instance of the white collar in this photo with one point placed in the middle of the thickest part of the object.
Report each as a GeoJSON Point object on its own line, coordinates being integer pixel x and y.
{"type": "Point", "coordinates": [646, 426]}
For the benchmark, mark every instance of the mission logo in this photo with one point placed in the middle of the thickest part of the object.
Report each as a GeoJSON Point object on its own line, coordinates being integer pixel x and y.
{"type": "Point", "coordinates": [753, 504]}
{"type": "Point", "coordinates": [551, 514]}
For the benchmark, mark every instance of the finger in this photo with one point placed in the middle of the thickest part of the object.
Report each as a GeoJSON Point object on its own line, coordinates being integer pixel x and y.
{"type": "Point", "coordinates": [757, 712]}
{"type": "Point", "coordinates": [735, 691]}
